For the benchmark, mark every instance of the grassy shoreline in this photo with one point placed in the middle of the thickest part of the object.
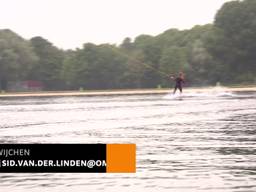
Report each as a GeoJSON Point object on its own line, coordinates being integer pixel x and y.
{"type": "Point", "coordinates": [119, 92]}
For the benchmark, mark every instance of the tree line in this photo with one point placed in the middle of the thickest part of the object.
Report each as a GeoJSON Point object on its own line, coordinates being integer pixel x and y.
{"type": "Point", "coordinates": [220, 52]}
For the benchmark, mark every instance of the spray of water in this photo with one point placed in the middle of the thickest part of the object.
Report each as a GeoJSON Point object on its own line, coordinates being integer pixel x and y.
{"type": "Point", "coordinates": [217, 91]}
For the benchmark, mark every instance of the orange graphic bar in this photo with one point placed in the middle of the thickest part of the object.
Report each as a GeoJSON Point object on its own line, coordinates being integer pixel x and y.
{"type": "Point", "coordinates": [121, 158]}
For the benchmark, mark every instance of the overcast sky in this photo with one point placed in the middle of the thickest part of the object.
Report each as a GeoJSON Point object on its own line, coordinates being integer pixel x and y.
{"type": "Point", "coordinates": [70, 23]}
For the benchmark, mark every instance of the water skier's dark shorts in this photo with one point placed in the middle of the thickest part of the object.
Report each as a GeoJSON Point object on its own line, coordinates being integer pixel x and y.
{"type": "Point", "coordinates": [178, 84]}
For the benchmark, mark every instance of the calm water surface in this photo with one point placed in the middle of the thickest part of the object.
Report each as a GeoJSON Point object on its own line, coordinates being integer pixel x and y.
{"type": "Point", "coordinates": [201, 142]}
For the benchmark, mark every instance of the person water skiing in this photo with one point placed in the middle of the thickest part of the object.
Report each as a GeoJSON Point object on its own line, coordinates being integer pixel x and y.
{"type": "Point", "coordinates": [178, 82]}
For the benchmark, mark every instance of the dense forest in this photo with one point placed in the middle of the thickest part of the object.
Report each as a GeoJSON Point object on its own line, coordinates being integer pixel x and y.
{"type": "Point", "coordinates": [224, 51]}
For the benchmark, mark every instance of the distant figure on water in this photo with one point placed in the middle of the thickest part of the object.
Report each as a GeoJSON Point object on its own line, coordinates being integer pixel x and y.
{"type": "Point", "coordinates": [178, 82]}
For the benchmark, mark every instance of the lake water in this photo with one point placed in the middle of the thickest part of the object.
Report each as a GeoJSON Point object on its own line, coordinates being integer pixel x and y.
{"type": "Point", "coordinates": [200, 142]}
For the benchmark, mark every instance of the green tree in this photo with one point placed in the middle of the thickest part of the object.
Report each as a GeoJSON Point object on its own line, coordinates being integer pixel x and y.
{"type": "Point", "coordinates": [151, 54]}
{"type": "Point", "coordinates": [68, 71]}
{"type": "Point", "coordinates": [172, 61]}
{"type": "Point", "coordinates": [127, 45]}
{"type": "Point", "coordinates": [134, 69]}
{"type": "Point", "coordinates": [49, 66]}
{"type": "Point", "coordinates": [16, 57]}
{"type": "Point", "coordinates": [96, 67]}
{"type": "Point", "coordinates": [234, 45]}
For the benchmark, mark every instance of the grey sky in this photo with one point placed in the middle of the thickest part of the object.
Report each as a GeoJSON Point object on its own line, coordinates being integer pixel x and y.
{"type": "Point", "coordinates": [70, 23]}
